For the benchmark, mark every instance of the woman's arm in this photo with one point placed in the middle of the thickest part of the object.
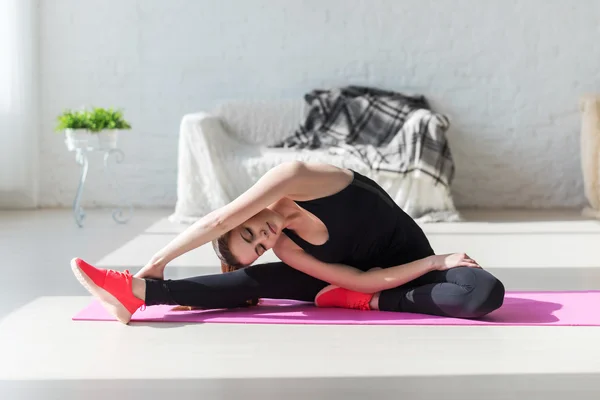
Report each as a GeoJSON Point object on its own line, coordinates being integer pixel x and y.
{"type": "Point", "coordinates": [371, 281]}
{"type": "Point", "coordinates": [291, 179]}
{"type": "Point", "coordinates": [270, 188]}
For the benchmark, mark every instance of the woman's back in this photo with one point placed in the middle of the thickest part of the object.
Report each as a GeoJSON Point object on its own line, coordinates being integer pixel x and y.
{"type": "Point", "coordinates": [366, 228]}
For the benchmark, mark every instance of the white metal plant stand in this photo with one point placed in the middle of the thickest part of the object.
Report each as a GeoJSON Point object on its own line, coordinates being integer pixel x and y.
{"type": "Point", "coordinates": [83, 143]}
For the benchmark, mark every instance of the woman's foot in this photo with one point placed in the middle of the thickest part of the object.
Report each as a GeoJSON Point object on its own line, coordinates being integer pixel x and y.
{"type": "Point", "coordinates": [112, 288]}
{"type": "Point", "coordinates": [337, 297]}
{"type": "Point", "coordinates": [333, 296]}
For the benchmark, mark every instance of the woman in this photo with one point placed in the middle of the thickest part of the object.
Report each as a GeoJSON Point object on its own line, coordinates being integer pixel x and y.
{"type": "Point", "coordinates": [342, 240]}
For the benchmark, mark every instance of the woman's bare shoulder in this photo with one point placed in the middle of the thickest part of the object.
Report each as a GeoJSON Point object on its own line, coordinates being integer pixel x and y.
{"type": "Point", "coordinates": [316, 180]}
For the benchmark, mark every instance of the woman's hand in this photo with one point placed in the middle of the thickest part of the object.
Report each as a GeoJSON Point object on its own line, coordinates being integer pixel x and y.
{"type": "Point", "coordinates": [444, 262]}
{"type": "Point", "coordinates": [153, 269]}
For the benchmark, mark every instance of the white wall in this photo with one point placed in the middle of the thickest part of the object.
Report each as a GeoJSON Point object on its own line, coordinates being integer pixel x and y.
{"type": "Point", "coordinates": [19, 103]}
{"type": "Point", "coordinates": [509, 73]}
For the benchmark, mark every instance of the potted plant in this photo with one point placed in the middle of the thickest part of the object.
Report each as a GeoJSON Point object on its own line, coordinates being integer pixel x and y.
{"type": "Point", "coordinates": [93, 129]}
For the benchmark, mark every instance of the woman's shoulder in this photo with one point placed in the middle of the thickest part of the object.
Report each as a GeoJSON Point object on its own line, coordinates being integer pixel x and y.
{"type": "Point", "coordinates": [317, 180]}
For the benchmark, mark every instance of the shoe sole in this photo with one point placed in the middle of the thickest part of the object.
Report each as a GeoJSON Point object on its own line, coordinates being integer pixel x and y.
{"type": "Point", "coordinates": [108, 301]}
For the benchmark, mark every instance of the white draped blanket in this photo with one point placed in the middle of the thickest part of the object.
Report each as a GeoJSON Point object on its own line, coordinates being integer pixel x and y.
{"type": "Point", "coordinates": [223, 153]}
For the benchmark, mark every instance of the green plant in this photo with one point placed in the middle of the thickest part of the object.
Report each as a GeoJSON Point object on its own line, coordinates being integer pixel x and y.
{"type": "Point", "coordinates": [94, 120]}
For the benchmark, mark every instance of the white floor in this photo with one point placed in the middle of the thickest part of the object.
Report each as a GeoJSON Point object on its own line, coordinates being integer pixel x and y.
{"type": "Point", "coordinates": [45, 355]}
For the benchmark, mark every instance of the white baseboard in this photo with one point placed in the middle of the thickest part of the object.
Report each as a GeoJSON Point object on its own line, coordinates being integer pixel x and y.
{"type": "Point", "coordinates": [18, 200]}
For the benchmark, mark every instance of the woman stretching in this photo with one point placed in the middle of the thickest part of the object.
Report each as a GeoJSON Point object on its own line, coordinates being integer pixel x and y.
{"type": "Point", "coordinates": [342, 240]}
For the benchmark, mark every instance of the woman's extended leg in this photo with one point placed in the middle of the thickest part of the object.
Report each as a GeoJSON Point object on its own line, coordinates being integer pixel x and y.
{"type": "Point", "coordinates": [234, 289]}
{"type": "Point", "coordinates": [461, 292]}
{"type": "Point", "coordinates": [122, 294]}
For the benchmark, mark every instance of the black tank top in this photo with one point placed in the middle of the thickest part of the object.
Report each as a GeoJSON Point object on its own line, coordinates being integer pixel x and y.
{"type": "Point", "coordinates": [366, 228]}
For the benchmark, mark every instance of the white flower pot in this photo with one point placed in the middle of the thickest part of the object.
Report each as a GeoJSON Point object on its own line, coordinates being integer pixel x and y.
{"type": "Point", "coordinates": [77, 139]}
{"type": "Point", "coordinates": [108, 139]}
{"type": "Point", "coordinates": [81, 139]}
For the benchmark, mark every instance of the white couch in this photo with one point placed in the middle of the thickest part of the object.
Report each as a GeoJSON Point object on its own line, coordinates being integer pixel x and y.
{"type": "Point", "coordinates": [223, 152]}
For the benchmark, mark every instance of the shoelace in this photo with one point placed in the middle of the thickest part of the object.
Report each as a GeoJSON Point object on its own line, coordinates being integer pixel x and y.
{"type": "Point", "coordinates": [126, 274]}
{"type": "Point", "coordinates": [128, 278]}
{"type": "Point", "coordinates": [362, 304]}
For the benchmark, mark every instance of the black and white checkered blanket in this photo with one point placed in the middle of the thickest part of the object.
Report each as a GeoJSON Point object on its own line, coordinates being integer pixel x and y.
{"type": "Point", "coordinates": [386, 130]}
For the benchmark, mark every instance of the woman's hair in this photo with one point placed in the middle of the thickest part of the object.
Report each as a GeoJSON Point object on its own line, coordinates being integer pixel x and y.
{"type": "Point", "coordinates": [228, 261]}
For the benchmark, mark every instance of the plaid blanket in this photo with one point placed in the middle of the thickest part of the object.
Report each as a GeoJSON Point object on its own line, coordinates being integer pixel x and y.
{"type": "Point", "coordinates": [388, 131]}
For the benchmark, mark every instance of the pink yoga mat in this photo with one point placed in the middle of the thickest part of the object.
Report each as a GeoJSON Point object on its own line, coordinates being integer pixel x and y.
{"type": "Point", "coordinates": [520, 308]}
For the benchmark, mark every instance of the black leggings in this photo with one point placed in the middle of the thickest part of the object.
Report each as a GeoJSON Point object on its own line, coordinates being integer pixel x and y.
{"type": "Point", "coordinates": [459, 292]}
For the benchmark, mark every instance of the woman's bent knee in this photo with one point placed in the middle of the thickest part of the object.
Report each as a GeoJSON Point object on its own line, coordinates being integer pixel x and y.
{"type": "Point", "coordinates": [484, 293]}
{"type": "Point", "coordinates": [486, 296]}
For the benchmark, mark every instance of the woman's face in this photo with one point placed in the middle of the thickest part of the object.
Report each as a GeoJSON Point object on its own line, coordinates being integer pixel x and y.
{"type": "Point", "coordinates": [254, 237]}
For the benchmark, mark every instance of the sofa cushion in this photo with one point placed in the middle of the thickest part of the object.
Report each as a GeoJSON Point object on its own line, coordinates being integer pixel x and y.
{"type": "Point", "coordinates": [261, 122]}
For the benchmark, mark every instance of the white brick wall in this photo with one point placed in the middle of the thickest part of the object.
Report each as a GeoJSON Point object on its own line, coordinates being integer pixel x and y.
{"type": "Point", "coordinates": [509, 73]}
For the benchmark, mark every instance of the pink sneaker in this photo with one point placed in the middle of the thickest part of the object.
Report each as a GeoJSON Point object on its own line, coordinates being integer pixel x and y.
{"type": "Point", "coordinates": [333, 296]}
{"type": "Point", "coordinates": [112, 288]}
